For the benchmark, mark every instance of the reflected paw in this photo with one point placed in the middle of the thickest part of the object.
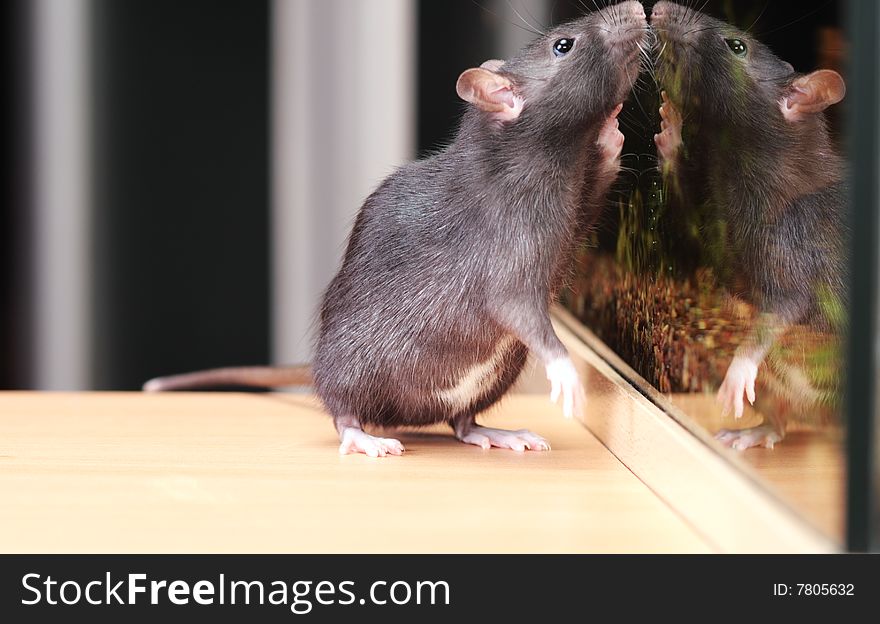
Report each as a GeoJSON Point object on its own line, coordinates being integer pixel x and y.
{"type": "Point", "coordinates": [738, 382]}
{"type": "Point", "coordinates": [668, 141]}
{"type": "Point", "coordinates": [742, 439]}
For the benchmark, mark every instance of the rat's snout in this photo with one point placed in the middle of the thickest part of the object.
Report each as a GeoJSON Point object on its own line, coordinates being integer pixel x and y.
{"type": "Point", "coordinates": [660, 12]}
{"type": "Point", "coordinates": [632, 9]}
{"type": "Point", "coordinates": [675, 22]}
{"type": "Point", "coordinates": [624, 26]}
{"type": "Point", "coordinates": [627, 12]}
{"type": "Point", "coordinates": [624, 23]}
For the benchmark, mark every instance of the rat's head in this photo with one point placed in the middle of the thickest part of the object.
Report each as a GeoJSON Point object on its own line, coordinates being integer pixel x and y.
{"type": "Point", "coordinates": [574, 74]}
{"type": "Point", "coordinates": [706, 64]}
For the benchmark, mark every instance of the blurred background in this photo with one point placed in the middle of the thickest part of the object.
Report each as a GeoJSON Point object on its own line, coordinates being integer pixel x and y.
{"type": "Point", "coordinates": [186, 173]}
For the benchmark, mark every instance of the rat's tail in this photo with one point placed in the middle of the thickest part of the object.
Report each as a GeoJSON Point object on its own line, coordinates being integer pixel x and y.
{"type": "Point", "coordinates": [257, 376]}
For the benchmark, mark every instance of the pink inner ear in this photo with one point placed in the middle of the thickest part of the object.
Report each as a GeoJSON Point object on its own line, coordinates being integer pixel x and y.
{"type": "Point", "coordinates": [812, 94]}
{"type": "Point", "coordinates": [799, 94]}
{"type": "Point", "coordinates": [504, 95]}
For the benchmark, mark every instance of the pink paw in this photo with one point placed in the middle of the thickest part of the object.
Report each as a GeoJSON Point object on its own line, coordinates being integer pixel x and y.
{"type": "Point", "coordinates": [611, 141]}
{"type": "Point", "coordinates": [565, 383]}
{"type": "Point", "coordinates": [739, 381]}
{"type": "Point", "coordinates": [742, 439]}
{"type": "Point", "coordinates": [669, 139]}
{"type": "Point", "coordinates": [357, 441]}
{"type": "Point", "coordinates": [520, 440]}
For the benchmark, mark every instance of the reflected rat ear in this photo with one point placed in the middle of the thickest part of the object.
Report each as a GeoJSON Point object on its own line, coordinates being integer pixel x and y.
{"type": "Point", "coordinates": [490, 92]}
{"type": "Point", "coordinates": [812, 94]}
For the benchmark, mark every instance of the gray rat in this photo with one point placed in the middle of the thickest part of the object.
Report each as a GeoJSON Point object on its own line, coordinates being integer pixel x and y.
{"type": "Point", "coordinates": [744, 133]}
{"type": "Point", "coordinates": [454, 260]}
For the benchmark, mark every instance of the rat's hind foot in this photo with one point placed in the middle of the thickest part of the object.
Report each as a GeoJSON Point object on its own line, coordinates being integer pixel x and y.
{"type": "Point", "coordinates": [519, 440]}
{"type": "Point", "coordinates": [739, 381]}
{"type": "Point", "coordinates": [354, 440]}
{"type": "Point", "coordinates": [742, 439]}
{"type": "Point", "coordinates": [669, 140]}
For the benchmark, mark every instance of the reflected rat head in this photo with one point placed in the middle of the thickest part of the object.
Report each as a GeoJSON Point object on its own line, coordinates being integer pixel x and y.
{"type": "Point", "coordinates": [727, 76]}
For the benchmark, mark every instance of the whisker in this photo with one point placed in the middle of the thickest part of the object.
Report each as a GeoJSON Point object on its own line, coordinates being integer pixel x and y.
{"type": "Point", "coordinates": [638, 103]}
{"type": "Point", "coordinates": [698, 15]}
{"type": "Point", "coordinates": [535, 19]}
{"type": "Point", "coordinates": [802, 17]}
{"type": "Point", "coordinates": [760, 15]}
{"type": "Point", "coordinates": [599, 11]}
{"type": "Point", "coordinates": [524, 21]}
{"type": "Point", "coordinates": [699, 30]}
{"type": "Point", "coordinates": [509, 21]}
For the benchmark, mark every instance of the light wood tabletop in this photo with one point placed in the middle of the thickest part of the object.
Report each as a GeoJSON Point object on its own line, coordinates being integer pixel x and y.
{"type": "Point", "coordinates": [807, 469]}
{"type": "Point", "coordinates": [226, 473]}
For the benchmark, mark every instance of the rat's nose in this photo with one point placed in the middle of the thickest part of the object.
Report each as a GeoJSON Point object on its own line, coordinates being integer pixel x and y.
{"type": "Point", "coordinates": [635, 9]}
{"type": "Point", "coordinates": [660, 11]}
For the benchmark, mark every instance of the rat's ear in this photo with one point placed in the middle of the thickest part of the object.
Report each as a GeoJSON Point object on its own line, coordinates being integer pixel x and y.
{"type": "Point", "coordinates": [492, 65]}
{"type": "Point", "coordinates": [490, 92]}
{"type": "Point", "coordinates": [812, 94]}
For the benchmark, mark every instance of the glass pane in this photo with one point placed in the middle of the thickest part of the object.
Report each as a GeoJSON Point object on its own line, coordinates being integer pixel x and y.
{"type": "Point", "coordinates": [719, 272]}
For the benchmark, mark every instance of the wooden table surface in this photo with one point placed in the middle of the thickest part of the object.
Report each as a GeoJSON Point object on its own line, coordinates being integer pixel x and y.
{"type": "Point", "coordinates": [807, 469]}
{"type": "Point", "coordinates": [226, 473]}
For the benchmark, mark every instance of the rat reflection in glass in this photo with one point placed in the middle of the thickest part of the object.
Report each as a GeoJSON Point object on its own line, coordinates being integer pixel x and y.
{"type": "Point", "coordinates": [727, 275]}
{"type": "Point", "coordinates": [745, 134]}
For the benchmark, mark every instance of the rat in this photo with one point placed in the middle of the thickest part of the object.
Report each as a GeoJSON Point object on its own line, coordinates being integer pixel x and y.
{"type": "Point", "coordinates": [744, 132]}
{"type": "Point", "coordinates": [454, 260]}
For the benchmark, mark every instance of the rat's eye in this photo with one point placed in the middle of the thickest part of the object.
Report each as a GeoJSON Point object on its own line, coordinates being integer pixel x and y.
{"type": "Point", "coordinates": [737, 47]}
{"type": "Point", "coordinates": [563, 46]}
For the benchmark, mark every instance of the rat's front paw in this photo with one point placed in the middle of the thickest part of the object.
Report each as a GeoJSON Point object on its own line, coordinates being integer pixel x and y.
{"type": "Point", "coordinates": [739, 381]}
{"type": "Point", "coordinates": [669, 140]}
{"type": "Point", "coordinates": [611, 141]}
{"type": "Point", "coordinates": [564, 382]}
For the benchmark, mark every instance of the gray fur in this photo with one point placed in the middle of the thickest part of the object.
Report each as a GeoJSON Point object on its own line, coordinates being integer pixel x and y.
{"type": "Point", "coordinates": [468, 248]}
{"type": "Point", "coordinates": [455, 252]}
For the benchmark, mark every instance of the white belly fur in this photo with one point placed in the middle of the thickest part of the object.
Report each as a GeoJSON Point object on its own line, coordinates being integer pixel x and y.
{"type": "Point", "coordinates": [475, 382]}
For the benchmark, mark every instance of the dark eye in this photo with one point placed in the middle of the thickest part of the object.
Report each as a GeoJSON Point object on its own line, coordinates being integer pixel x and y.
{"type": "Point", "coordinates": [563, 47]}
{"type": "Point", "coordinates": [737, 47]}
